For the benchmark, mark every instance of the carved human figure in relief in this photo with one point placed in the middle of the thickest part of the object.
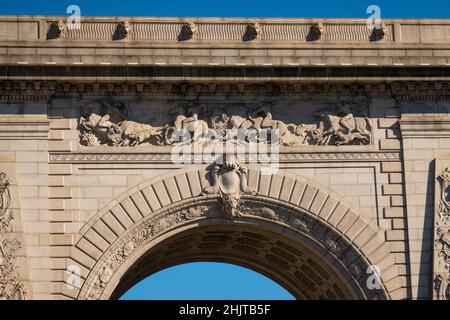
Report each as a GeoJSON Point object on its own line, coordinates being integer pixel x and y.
{"type": "Point", "coordinates": [6, 214]}
{"type": "Point", "coordinates": [444, 203]}
{"type": "Point", "coordinates": [187, 127]}
{"type": "Point", "coordinates": [198, 124]}
{"type": "Point", "coordinates": [288, 134]}
{"type": "Point", "coordinates": [443, 246]}
{"type": "Point", "coordinates": [229, 180]}
{"type": "Point", "coordinates": [97, 129]}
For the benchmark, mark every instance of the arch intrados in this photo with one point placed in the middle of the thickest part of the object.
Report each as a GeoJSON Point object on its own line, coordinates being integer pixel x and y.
{"type": "Point", "coordinates": [250, 261]}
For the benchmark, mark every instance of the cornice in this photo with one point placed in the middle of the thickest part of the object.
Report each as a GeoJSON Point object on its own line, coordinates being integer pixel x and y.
{"type": "Point", "coordinates": [42, 91]}
{"type": "Point", "coordinates": [47, 40]}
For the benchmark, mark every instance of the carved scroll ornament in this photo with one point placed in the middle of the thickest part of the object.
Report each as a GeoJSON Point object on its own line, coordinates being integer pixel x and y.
{"type": "Point", "coordinates": [195, 125]}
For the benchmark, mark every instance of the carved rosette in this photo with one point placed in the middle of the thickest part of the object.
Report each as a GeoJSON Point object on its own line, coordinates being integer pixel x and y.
{"type": "Point", "coordinates": [229, 181]}
{"type": "Point", "coordinates": [10, 286]}
{"type": "Point", "coordinates": [441, 277]}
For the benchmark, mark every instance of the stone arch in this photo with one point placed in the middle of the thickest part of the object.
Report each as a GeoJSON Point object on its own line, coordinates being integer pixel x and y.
{"type": "Point", "coordinates": [338, 244]}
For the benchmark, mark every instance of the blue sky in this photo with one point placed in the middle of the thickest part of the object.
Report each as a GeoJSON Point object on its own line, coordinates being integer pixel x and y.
{"type": "Point", "coordinates": [207, 280]}
{"type": "Point", "coordinates": [234, 8]}
{"type": "Point", "coordinates": [212, 280]}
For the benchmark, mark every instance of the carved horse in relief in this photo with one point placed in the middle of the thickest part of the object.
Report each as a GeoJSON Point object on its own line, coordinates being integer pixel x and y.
{"type": "Point", "coordinates": [134, 133]}
{"type": "Point", "coordinates": [344, 130]}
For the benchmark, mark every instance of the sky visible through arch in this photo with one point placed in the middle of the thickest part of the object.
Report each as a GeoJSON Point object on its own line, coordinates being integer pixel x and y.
{"type": "Point", "coordinates": [216, 280]}
{"type": "Point", "coordinates": [207, 281]}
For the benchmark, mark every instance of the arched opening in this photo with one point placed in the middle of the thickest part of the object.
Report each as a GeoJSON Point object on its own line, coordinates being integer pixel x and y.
{"type": "Point", "coordinates": [207, 281]}
{"type": "Point", "coordinates": [314, 245]}
{"type": "Point", "coordinates": [307, 272]}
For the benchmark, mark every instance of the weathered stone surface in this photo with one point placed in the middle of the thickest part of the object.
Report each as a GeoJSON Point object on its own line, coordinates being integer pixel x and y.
{"type": "Point", "coordinates": [95, 174]}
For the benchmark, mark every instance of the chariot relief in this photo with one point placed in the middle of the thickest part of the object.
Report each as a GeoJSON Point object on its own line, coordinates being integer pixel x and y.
{"type": "Point", "coordinates": [197, 123]}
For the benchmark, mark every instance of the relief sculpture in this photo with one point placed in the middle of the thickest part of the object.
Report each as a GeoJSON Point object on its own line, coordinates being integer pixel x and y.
{"type": "Point", "coordinates": [442, 239]}
{"type": "Point", "coordinates": [10, 286]}
{"type": "Point", "coordinates": [200, 124]}
{"type": "Point", "coordinates": [229, 180]}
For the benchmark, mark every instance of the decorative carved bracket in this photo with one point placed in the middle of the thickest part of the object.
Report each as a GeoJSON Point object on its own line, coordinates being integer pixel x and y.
{"type": "Point", "coordinates": [379, 32]}
{"type": "Point", "coordinates": [189, 31]}
{"type": "Point", "coordinates": [57, 29]}
{"type": "Point", "coordinates": [253, 32]}
{"type": "Point", "coordinates": [316, 32]}
{"type": "Point", "coordinates": [229, 180]}
{"type": "Point", "coordinates": [124, 30]}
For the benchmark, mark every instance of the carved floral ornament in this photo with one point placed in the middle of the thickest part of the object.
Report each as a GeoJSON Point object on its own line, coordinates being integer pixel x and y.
{"type": "Point", "coordinates": [10, 286]}
{"type": "Point", "coordinates": [198, 124]}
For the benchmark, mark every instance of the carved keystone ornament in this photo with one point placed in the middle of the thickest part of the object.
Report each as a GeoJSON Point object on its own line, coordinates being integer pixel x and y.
{"type": "Point", "coordinates": [229, 180]}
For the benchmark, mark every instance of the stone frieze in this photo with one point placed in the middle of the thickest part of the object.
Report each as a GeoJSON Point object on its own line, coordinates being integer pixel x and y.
{"type": "Point", "coordinates": [345, 124]}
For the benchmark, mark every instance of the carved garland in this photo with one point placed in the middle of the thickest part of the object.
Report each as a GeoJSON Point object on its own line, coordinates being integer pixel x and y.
{"type": "Point", "coordinates": [205, 207]}
{"type": "Point", "coordinates": [10, 286]}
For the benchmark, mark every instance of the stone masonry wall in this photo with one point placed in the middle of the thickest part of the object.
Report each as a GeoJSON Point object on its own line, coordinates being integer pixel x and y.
{"type": "Point", "coordinates": [58, 196]}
